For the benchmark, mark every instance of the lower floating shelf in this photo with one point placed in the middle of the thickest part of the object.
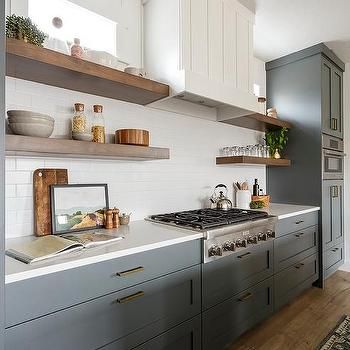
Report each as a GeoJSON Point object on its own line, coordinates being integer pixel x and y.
{"type": "Point", "coordinates": [253, 161]}
{"type": "Point", "coordinates": [60, 148]}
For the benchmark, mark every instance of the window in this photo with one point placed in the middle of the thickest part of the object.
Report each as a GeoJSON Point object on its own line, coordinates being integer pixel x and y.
{"type": "Point", "coordinates": [94, 31]}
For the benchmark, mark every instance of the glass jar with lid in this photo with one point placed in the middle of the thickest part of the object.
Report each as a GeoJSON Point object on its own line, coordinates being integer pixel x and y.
{"type": "Point", "coordinates": [79, 121]}
{"type": "Point", "coordinates": [98, 125]}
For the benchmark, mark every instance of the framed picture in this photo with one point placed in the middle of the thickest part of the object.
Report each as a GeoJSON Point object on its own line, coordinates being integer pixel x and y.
{"type": "Point", "coordinates": [77, 208]}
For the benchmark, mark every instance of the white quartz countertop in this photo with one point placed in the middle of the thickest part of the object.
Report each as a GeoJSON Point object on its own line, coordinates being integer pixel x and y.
{"type": "Point", "coordinates": [140, 236]}
{"type": "Point", "coordinates": [284, 211]}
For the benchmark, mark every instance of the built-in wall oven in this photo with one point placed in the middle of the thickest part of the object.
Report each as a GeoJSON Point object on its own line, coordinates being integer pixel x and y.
{"type": "Point", "coordinates": [333, 158]}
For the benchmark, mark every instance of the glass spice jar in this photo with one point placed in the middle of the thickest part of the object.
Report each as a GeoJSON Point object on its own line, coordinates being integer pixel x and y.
{"type": "Point", "coordinates": [98, 125]}
{"type": "Point", "coordinates": [79, 121]}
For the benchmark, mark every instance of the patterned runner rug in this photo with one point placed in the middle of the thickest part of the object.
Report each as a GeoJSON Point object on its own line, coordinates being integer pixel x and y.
{"type": "Point", "coordinates": [339, 337]}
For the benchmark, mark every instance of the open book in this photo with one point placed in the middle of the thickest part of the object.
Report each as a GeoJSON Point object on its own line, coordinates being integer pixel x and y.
{"type": "Point", "coordinates": [53, 246]}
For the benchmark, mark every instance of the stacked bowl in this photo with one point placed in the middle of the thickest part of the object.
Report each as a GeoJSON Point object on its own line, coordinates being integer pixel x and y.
{"type": "Point", "coordinates": [29, 123]}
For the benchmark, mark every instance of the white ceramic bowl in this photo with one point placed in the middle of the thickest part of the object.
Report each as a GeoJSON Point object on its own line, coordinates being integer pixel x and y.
{"type": "Point", "coordinates": [32, 129]}
{"type": "Point", "coordinates": [21, 114]}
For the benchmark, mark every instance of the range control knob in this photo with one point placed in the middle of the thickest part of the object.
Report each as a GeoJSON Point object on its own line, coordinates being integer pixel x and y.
{"type": "Point", "coordinates": [215, 250]}
{"type": "Point", "coordinates": [252, 240]}
{"type": "Point", "coordinates": [241, 243]}
{"type": "Point", "coordinates": [229, 246]}
{"type": "Point", "coordinates": [271, 234]}
{"type": "Point", "coordinates": [262, 236]}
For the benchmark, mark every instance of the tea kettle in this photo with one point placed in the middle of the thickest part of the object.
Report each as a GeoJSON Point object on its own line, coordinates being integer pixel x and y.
{"type": "Point", "coordinates": [221, 201]}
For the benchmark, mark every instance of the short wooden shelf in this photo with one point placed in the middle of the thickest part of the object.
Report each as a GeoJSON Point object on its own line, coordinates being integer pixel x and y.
{"type": "Point", "coordinates": [59, 148]}
{"type": "Point", "coordinates": [253, 160]}
{"type": "Point", "coordinates": [259, 122]}
{"type": "Point", "coordinates": [29, 62]}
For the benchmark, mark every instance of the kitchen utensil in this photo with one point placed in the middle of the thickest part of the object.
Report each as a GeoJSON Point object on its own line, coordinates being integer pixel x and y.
{"type": "Point", "coordinates": [244, 186]}
{"type": "Point", "coordinates": [221, 201]}
{"type": "Point", "coordinates": [124, 219]}
{"type": "Point", "coordinates": [109, 219]}
{"type": "Point", "coordinates": [29, 123]}
{"type": "Point", "coordinates": [42, 180]}
{"type": "Point", "coordinates": [243, 199]}
{"type": "Point", "coordinates": [132, 137]}
{"type": "Point", "coordinates": [116, 222]}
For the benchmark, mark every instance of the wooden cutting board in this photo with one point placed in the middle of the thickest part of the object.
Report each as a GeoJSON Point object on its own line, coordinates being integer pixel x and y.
{"type": "Point", "coordinates": [42, 180]}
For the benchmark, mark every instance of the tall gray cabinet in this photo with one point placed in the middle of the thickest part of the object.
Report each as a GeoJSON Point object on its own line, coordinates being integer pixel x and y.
{"type": "Point", "coordinates": [2, 170]}
{"type": "Point", "coordinates": [306, 87]}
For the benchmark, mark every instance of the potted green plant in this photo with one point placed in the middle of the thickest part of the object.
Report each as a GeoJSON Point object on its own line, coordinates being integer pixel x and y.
{"type": "Point", "coordinates": [277, 141]}
{"type": "Point", "coordinates": [23, 28]}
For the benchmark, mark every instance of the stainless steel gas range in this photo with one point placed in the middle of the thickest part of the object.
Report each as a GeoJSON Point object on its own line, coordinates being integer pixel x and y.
{"type": "Point", "coordinates": [225, 231]}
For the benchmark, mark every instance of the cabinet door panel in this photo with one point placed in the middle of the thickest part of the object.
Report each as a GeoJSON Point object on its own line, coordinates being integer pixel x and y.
{"type": "Point", "coordinates": [332, 213]}
{"type": "Point", "coordinates": [334, 257]}
{"type": "Point", "coordinates": [243, 53]}
{"type": "Point", "coordinates": [326, 96]}
{"type": "Point", "coordinates": [337, 103]}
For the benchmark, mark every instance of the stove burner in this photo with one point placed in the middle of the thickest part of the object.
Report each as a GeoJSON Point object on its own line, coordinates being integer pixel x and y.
{"type": "Point", "coordinates": [208, 218]}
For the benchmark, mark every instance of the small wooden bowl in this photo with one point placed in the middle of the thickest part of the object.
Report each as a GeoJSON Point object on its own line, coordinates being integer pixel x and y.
{"type": "Point", "coordinates": [132, 137]}
{"type": "Point", "coordinates": [264, 199]}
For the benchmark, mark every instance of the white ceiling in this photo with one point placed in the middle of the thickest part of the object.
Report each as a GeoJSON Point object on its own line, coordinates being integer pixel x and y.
{"type": "Point", "coordinates": [286, 26]}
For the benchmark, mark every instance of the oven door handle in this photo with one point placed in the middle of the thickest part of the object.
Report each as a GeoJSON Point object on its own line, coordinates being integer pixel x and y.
{"type": "Point", "coordinates": [334, 154]}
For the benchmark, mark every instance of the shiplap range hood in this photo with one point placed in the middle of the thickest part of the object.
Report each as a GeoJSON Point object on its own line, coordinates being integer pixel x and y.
{"type": "Point", "coordinates": [204, 50]}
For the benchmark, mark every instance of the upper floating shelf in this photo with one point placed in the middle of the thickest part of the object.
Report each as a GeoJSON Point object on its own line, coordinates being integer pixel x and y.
{"type": "Point", "coordinates": [60, 148]}
{"type": "Point", "coordinates": [29, 62]}
{"type": "Point", "coordinates": [259, 122]}
{"type": "Point", "coordinates": [253, 161]}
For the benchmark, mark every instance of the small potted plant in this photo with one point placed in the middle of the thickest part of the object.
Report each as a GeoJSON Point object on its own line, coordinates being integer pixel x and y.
{"type": "Point", "coordinates": [277, 141]}
{"type": "Point", "coordinates": [22, 28]}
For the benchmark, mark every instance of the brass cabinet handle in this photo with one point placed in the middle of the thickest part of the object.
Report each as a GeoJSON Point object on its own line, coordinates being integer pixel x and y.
{"type": "Point", "coordinates": [299, 266]}
{"type": "Point", "coordinates": [335, 191]}
{"type": "Point", "coordinates": [299, 222]}
{"type": "Point", "coordinates": [335, 249]}
{"type": "Point", "coordinates": [246, 297]}
{"type": "Point", "coordinates": [334, 123]}
{"type": "Point", "coordinates": [243, 255]}
{"type": "Point", "coordinates": [130, 272]}
{"type": "Point", "coordinates": [298, 235]}
{"type": "Point", "coordinates": [130, 297]}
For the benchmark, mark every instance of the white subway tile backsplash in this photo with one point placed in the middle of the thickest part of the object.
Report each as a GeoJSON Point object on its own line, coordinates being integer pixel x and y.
{"type": "Point", "coordinates": [184, 182]}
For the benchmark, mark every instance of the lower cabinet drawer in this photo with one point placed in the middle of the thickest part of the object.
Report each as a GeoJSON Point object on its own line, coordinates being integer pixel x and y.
{"type": "Point", "coordinates": [295, 279]}
{"type": "Point", "coordinates": [146, 310]}
{"type": "Point", "coordinates": [186, 336]}
{"type": "Point", "coordinates": [294, 247]}
{"type": "Point", "coordinates": [230, 275]}
{"type": "Point", "coordinates": [296, 223]}
{"type": "Point", "coordinates": [225, 322]}
{"type": "Point", "coordinates": [71, 287]}
{"type": "Point", "coordinates": [334, 258]}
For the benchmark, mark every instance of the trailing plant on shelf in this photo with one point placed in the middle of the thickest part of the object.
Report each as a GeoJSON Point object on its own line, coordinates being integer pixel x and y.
{"type": "Point", "coordinates": [277, 141]}
{"type": "Point", "coordinates": [23, 28]}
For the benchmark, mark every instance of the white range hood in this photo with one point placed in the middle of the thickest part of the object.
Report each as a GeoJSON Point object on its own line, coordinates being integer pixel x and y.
{"type": "Point", "coordinates": [203, 49]}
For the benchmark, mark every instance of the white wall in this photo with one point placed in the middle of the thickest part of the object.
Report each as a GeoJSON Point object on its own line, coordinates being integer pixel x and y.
{"type": "Point", "coordinates": [183, 182]}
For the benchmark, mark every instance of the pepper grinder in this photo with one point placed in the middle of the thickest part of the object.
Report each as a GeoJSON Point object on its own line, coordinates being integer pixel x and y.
{"type": "Point", "coordinates": [109, 219]}
{"type": "Point", "coordinates": [116, 222]}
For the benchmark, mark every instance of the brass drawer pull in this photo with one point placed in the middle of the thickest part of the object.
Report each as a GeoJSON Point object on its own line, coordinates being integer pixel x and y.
{"type": "Point", "coordinates": [243, 255]}
{"type": "Point", "coordinates": [299, 266]}
{"type": "Point", "coordinates": [335, 249]}
{"type": "Point", "coordinates": [246, 297]}
{"type": "Point", "coordinates": [334, 123]}
{"type": "Point", "coordinates": [298, 235]}
{"type": "Point", "coordinates": [130, 272]}
{"type": "Point", "coordinates": [299, 222]}
{"type": "Point", "coordinates": [130, 297]}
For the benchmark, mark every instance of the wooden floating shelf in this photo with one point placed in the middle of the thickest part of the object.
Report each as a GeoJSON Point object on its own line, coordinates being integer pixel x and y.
{"type": "Point", "coordinates": [259, 122]}
{"type": "Point", "coordinates": [253, 161]}
{"type": "Point", "coordinates": [60, 148]}
{"type": "Point", "coordinates": [29, 62]}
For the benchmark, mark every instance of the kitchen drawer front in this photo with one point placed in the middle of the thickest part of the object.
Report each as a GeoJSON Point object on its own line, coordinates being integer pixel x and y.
{"type": "Point", "coordinates": [296, 223]}
{"type": "Point", "coordinates": [291, 248]}
{"type": "Point", "coordinates": [293, 280]}
{"type": "Point", "coordinates": [334, 258]}
{"type": "Point", "coordinates": [186, 336]}
{"type": "Point", "coordinates": [145, 310]}
{"type": "Point", "coordinates": [225, 322]}
{"type": "Point", "coordinates": [57, 291]}
{"type": "Point", "coordinates": [228, 276]}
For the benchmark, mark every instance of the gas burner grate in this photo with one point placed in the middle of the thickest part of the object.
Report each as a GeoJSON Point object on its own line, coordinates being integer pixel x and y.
{"type": "Point", "coordinates": [208, 218]}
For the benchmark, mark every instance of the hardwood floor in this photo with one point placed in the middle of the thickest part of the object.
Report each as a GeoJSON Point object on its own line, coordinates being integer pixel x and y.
{"type": "Point", "coordinates": [304, 323]}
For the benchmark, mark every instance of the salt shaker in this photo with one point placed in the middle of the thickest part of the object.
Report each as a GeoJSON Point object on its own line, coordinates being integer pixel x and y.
{"type": "Point", "coordinates": [109, 219]}
{"type": "Point", "coordinates": [116, 222]}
